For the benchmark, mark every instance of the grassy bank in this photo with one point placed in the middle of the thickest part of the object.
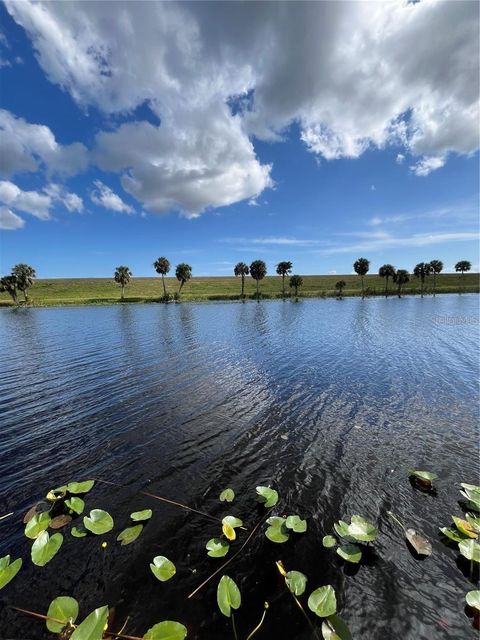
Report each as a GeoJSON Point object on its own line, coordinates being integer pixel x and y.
{"type": "Point", "coordinates": [105, 291]}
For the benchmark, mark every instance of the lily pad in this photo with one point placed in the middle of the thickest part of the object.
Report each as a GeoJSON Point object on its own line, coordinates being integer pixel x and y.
{"type": "Point", "coordinates": [470, 550]}
{"type": "Point", "coordinates": [77, 505]}
{"type": "Point", "coordinates": [163, 568]}
{"type": "Point", "coordinates": [99, 521]}
{"type": "Point", "coordinates": [473, 521]}
{"type": "Point", "coordinates": [166, 630]}
{"type": "Point", "coordinates": [8, 570]}
{"type": "Point", "coordinates": [228, 596]}
{"type": "Point", "coordinates": [232, 521]}
{"type": "Point", "coordinates": [296, 582]}
{"type": "Point", "coordinates": [323, 601]}
{"type": "Point", "coordinates": [227, 495]}
{"type": "Point", "coordinates": [93, 626]}
{"type": "Point", "coordinates": [296, 524]}
{"type": "Point", "coordinates": [140, 516]}
{"type": "Point", "coordinates": [421, 545]}
{"type": "Point", "coordinates": [452, 534]}
{"type": "Point", "coordinates": [130, 534]}
{"type": "Point", "coordinates": [423, 478]}
{"type": "Point", "coordinates": [329, 542]}
{"type": "Point", "coordinates": [78, 531]}
{"type": "Point", "coordinates": [465, 527]}
{"type": "Point", "coordinates": [277, 531]}
{"type": "Point", "coordinates": [60, 521]}
{"type": "Point", "coordinates": [268, 496]}
{"type": "Point", "coordinates": [45, 548]}
{"type": "Point", "coordinates": [217, 548]}
{"type": "Point", "coordinates": [37, 524]}
{"type": "Point", "coordinates": [63, 608]}
{"type": "Point", "coordinates": [335, 628]}
{"type": "Point", "coordinates": [54, 495]}
{"type": "Point", "coordinates": [362, 530]}
{"type": "Point", "coordinates": [40, 507]}
{"type": "Point", "coordinates": [350, 552]}
{"type": "Point", "coordinates": [341, 529]}
{"type": "Point", "coordinates": [80, 487]}
{"type": "Point", "coordinates": [473, 599]}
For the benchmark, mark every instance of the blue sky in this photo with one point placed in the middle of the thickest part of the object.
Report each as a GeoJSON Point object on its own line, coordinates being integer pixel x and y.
{"type": "Point", "coordinates": [212, 134]}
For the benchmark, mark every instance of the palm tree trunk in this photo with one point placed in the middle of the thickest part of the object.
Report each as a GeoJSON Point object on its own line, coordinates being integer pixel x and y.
{"type": "Point", "coordinates": [296, 291]}
{"type": "Point", "coordinates": [243, 285]}
{"type": "Point", "coordinates": [164, 289]}
{"type": "Point", "coordinates": [399, 290]}
{"type": "Point", "coordinates": [181, 285]}
{"type": "Point", "coordinates": [363, 289]}
{"type": "Point", "coordinates": [386, 286]}
{"type": "Point", "coordinates": [123, 291]}
{"type": "Point", "coordinates": [258, 292]}
{"type": "Point", "coordinates": [421, 288]}
{"type": "Point", "coordinates": [434, 280]}
{"type": "Point", "coordinates": [283, 285]}
{"type": "Point", "coordinates": [25, 295]}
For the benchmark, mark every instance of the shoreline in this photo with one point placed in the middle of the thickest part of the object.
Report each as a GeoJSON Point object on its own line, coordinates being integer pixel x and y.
{"type": "Point", "coordinates": [212, 298]}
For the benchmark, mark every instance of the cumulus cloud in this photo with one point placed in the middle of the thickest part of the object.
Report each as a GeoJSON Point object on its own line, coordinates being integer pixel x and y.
{"type": "Point", "coordinates": [71, 201]}
{"type": "Point", "coordinates": [32, 202]}
{"type": "Point", "coordinates": [29, 147]}
{"type": "Point", "coordinates": [105, 197]}
{"type": "Point", "coordinates": [9, 221]}
{"type": "Point", "coordinates": [427, 165]}
{"type": "Point", "coordinates": [400, 158]}
{"type": "Point", "coordinates": [352, 76]}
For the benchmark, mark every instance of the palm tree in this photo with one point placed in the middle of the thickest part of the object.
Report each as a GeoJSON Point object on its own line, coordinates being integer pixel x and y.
{"type": "Point", "coordinates": [183, 273]}
{"type": "Point", "coordinates": [386, 271]}
{"type": "Point", "coordinates": [401, 277]}
{"type": "Point", "coordinates": [122, 277]}
{"type": "Point", "coordinates": [241, 269]}
{"type": "Point", "coordinates": [462, 266]}
{"type": "Point", "coordinates": [422, 270]}
{"type": "Point", "coordinates": [284, 269]}
{"type": "Point", "coordinates": [295, 281]}
{"type": "Point", "coordinates": [25, 275]}
{"type": "Point", "coordinates": [162, 267]}
{"type": "Point", "coordinates": [339, 286]}
{"type": "Point", "coordinates": [258, 270]}
{"type": "Point", "coordinates": [9, 284]}
{"type": "Point", "coordinates": [436, 267]}
{"type": "Point", "coordinates": [361, 267]}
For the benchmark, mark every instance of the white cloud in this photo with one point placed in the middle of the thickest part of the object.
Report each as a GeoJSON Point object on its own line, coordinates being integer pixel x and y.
{"type": "Point", "coordinates": [105, 197]}
{"type": "Point", "coordinates": [400, 158]}
{"type": "Point", "coordinates": [352, 75]}
{"type": "Point", "coordinates": [9, 221]}
{"type": "Point", "coordinates": [427, 165]}
{"type": "Point", "coordinates": [71, 201]}
{"type": "Point", "coordinates": [274, 240]}
{"type": "Point", "coordinates": [32, 202]}
{"type": "Point", "coordinates": [29, 147]}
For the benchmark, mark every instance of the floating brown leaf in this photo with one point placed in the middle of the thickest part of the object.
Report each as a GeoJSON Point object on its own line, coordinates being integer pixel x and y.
{"type": "Point", "coordinates": [421, 545]}
{"type": "Point", "coordinates": [37, 508]}
{"type": "Point", "coordinates": [60, 521]}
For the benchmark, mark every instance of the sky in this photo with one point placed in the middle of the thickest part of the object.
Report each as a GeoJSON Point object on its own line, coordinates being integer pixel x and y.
{"type": "Point", "coordinates": [213, 133]}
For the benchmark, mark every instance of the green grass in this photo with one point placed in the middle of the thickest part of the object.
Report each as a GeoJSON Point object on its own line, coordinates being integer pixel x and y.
{"type": "Point", "coordinates": [104, 290]}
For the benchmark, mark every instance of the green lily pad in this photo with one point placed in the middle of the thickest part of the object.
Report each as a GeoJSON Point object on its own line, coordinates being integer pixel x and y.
{"type": "Point", "coordinates": [350, 552]}
{"type": "Point", "coordinates": [473, 521]}
{"type": "Point", "coordinates": [296, 524]}
{"type": "Point", "coordinates": [130, 534]}
{"type": "Point", "coordinates": [8, 570]}
{"type": "Point", "coordinates": [167, 630]}
{"type": "Point", "coordinates": [80, 487]}
{"type": "Point", "coordinates": [329, 542]}
{"type": "Point", "coordinates": [232, 521]}
{"type": "Point", "coordinates": [473, 499]}
{"type": "Point", "coordinates": [470, 549]}
{"type": "Point", "coordinates": [362, 530]}
{"type": "Point", "coordinates": [63, 608]}
{"type": "Point", "coordinates": [227, 495]}
{"type": "Point", "coordinates": [37, 524]}
{"type": "Point", "coordinates": [452, 534]}
{"type": "Point", "coordinates": [277, 531]}
{"type": "Point", "coordinates": [323, 602]}
{"type": "Point", "coordinates": [471, 488]}
{"type": "Point", "coordinates": [473, 599]}
{"type": "Point", "coordinates": [93, 626]}
{"type": "Point", "coordinates": [217, 548]}
{"type": "Point", "coordinates": [77, 505]}
{"type": "Point", "coordinates": [45, 548]}
{"type": "Point", "coordinates": [341, 528]}
{"type": "Point", "coordinates": [99, 521]}
{"type": "Point", "coordinates": [140, 516]}
{"type": "Point", "coordinates": [40, 507]}
{"type": "Point", "coordinates": [334, 628]}
{"type": "Point", "coordinates": [268, 496]}
{"type": "Point", "coordinates": [162, 568]}
{"type": "Point", "coordinates": [465, 527]}
{"type": "Point", "coordinates": [296, 582]}
{"type": "Point", "coordinates": [423, 475]}
{"type": "Point", "coordinates": [78, 531]}
{"type": "Point", "coordinates": [228, 596]}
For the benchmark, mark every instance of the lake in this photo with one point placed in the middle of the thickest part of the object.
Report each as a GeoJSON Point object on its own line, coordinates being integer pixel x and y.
{"type": "Point", "coordinates": [329, 401]}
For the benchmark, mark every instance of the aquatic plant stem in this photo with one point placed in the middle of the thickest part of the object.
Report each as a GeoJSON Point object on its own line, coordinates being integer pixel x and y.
{"type": "Point", "coordinates": [234, 627]}
{"type": "Point", "coordinates": [257, 628]}
{"type": "Point", "coordinates": [283, 573]}
{"type": "Point", "coordinates": [397, 520]}
{"type": "Point", "coordinates": [168, 501]}
{"type": "Point", "coordinates": [7, 515]}
{"type": "Point", "coordinates": [250, 536]}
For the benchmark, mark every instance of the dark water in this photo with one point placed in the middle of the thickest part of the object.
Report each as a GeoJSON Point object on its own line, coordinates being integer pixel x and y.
{"type": "Point", "coordinates": [184, 400]}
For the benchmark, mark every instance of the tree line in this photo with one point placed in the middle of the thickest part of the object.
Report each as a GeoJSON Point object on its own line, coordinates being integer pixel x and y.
{"type": "Point", "coordinates": [23, 275]}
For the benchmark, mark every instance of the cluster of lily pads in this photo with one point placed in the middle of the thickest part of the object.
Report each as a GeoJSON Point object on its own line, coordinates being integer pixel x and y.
{"type": "Point", "coordinates": [64, 506]}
